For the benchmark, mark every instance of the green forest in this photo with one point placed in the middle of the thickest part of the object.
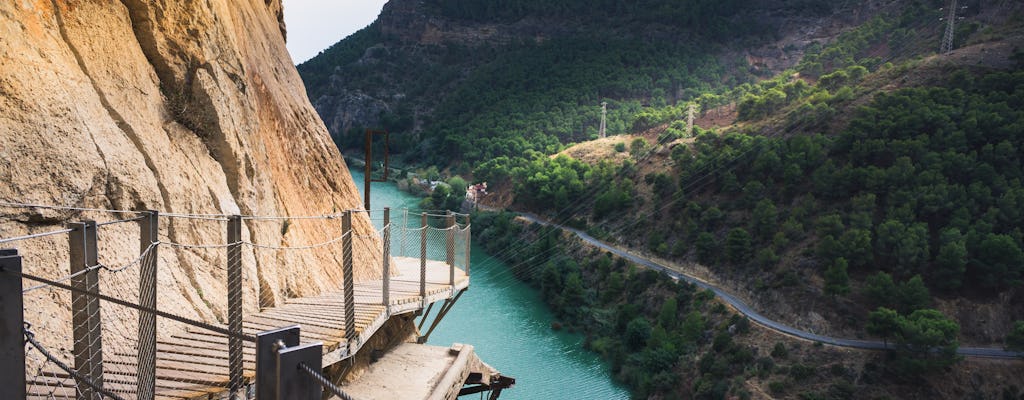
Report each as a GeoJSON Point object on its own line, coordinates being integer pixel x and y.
{"type": "Point", "coordinates": [885, 187]}
{"type": "Point", "coordinates": [925, 182]}
{"type": "Point", "coordinates": [670, 340]}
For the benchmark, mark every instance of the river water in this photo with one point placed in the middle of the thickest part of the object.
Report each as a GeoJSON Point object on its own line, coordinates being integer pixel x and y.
{"type": "Point", "coordinates": [510, 328]}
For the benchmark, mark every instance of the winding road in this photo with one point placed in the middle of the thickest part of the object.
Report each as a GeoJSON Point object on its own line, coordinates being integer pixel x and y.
{"type": "Point", "coordinates": [743, 308]}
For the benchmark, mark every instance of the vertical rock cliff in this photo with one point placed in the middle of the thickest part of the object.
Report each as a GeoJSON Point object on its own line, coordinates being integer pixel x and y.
{"type": "Point", "coordinates": [183, 106]}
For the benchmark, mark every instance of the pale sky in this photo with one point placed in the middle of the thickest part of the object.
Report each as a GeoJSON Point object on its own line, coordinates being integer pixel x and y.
{"type": "Point", "coordinates": [314, 25]}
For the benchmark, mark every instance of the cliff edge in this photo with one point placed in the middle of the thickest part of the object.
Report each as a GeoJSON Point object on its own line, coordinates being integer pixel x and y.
{"type": "Point", "coordinates": [190, 107]}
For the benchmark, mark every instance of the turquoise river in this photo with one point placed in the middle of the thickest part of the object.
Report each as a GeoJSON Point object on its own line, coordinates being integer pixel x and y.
{"type": "Point", "coordinates": [510, 328]}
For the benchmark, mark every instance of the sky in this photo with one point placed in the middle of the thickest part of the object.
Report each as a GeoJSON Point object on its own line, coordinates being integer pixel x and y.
{"type": "Point", "coordinates": [314, 25]}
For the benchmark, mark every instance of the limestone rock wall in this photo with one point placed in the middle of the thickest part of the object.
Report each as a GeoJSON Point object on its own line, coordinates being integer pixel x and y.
{"type": "Point", "coordinates": [183, 106]}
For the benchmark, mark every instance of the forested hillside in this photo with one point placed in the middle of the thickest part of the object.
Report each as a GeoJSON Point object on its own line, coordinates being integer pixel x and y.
{"type": "Point", "coordinates": [458, 81]}
{"type": "Point", "coordinates": [842, 176]}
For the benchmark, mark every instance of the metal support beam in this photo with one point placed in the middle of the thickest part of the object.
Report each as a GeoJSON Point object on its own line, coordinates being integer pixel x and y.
{"type": "Point", "coordinates": [349, 295]}
{"type": "Point", "coordinates": [423, 256]}
{"type": "Point", "coordinates": [85, 309]}
{"type": "Point", "coordinates": [149, 228]}
{"type": "Point", "coordinates": [12, 340]}
{"type": "Point", "coordinates": [267, 345]}
{"type": "Point", "coordinates": [386, 268]}
{"type": "Point", "coordinates": [292, 382]}
{"type": "Point", "coordinates": [234, 287]}
{"type": "Point", "coordinates": [426, 314]}
{"type": "Point", "coordinates": [450, 247]}
{"type": "Point", "coordinates": [447, 306]}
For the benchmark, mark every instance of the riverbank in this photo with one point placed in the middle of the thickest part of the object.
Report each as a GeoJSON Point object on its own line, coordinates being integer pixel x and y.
{"type": "Point", "coordinates": [510, 327]}
{"type": "Point", "coordinates": [621, 303]}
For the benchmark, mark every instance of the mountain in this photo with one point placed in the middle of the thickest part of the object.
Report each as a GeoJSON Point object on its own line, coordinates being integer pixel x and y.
{"type": "Point", "coordinates": [841, 170]}
{"type": "Point", "coordinates": [457, 82]}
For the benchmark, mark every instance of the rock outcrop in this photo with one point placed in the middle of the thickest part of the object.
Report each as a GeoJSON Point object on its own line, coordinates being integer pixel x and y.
{"type": "Point", "coordinates": [182, 106]}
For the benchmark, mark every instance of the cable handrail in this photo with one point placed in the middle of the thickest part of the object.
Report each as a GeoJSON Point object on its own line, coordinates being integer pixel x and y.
{"type": "Point", "coordinates": [202, 246]}
{"type": "Point", "coordinates": [35, 236]}
{"type": "Point", "coordinates": [220, 216]}
{"type": "Point", "coordinates": [68, 208]}
{"type": "Point", "coordinates": [306, 247]}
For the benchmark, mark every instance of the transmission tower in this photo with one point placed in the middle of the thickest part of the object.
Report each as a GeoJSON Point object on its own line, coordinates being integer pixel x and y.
{"type": "Point", "coordinates": [689, 119]}
{"type": "Point", "coordinates": [604, 120]}
{"type": "Point", "coordinates": [950, 18]}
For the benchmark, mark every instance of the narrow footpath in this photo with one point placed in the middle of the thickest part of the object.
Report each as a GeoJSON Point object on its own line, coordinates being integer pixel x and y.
{"type": "Point", "coordinates": [743, 308]}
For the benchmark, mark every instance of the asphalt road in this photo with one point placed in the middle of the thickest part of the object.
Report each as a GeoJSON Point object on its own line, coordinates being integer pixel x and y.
{"type": "Point", "coordinates": [743, 308]}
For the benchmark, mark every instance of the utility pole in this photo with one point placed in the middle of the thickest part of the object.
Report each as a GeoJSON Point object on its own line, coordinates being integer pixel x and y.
{"type": "Point", "coordinates": [689, 119]}
{"type": "Point", "coordinates": [604, 120]}
{"type": "Point", "coordinates": [951, 18]}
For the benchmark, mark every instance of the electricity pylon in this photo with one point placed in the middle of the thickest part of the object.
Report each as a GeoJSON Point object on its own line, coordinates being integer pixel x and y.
{"type": "Point", "coordinates": [689, 119]}
{"type": "Point", "coordinates": [604, 119]}
{"type": "Point", "coordinates": [951, 18]}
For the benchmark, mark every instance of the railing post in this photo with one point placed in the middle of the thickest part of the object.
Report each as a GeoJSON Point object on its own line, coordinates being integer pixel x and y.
{"type": "Point", "coordinates": [235, 305]}
{"type": "Point", "coordinates": [267, 345]}
{"type": "Point", "coordinates": [386, 270]}
{"type": "Point", "coordinates": [292, 381]}
{"type": "Point", "coordinates": [423, 256]}
{"type": "Point", "coordinates": [12, 339]}
{"type": "Point", "coordinates": [349, 295]}
{"type": "Point", "coordinates": [149, 228]}
{"type": "Point", "coordinates": [405, 233]}
{"type": "Point", "coordinates": [450, 247]}
{"type": "Point", "coordinates": [468, 238]}
{"type": "Point", "coordinates": [85, 309]}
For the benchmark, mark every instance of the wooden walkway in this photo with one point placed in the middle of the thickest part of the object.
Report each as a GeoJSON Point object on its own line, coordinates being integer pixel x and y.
{"type": "Point", "coordinates": [194, 364]}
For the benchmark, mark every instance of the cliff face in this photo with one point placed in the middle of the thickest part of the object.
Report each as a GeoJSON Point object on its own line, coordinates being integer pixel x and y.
{"type": "Point", "coordinates": [183, 106]}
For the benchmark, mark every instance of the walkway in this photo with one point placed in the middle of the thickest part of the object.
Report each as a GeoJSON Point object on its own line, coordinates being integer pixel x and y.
{"type": "Point", "coordinates": [743, 308]}
{"type": "Point", "coordinates": [194, 364]}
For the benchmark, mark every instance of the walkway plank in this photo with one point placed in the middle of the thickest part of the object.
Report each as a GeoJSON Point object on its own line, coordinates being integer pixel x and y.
{"type": "Point", "coordinates": [193, 364]}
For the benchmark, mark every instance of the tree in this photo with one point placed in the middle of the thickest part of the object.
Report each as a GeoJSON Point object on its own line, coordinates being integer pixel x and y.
{"type": "Point", "coordinates": [637, 332]}
{"type": "Point", "coordinates": [912, 295]}
{"type": "Point", "coordinates": [837, 282]}
{"type": "Point", "coordinates": [951, 261]}
{"type": "Point", "coordinates": [880, 289]}
{"type": "Point", "coordinates": [693, 327]}
{"type": "Point", "coordinates": [1015, 340]}
{"type": "Point", "coordinates": [997, 263]}
{"type": "Point", "coordinates": [765, 219]}
{"type": "Point", "coordinates": [667, 316]}
{"type": "Point", "coordinates": [926, 341]}
{"type": "Point", "coordinates": [883, 322]}
{"type": "Point", "coordinates": [856, 244]}
{"type": "Point", "coordinates": [637, 146]}
{"type": "Point", "coordinates": [573, 295]}
{"type": "Point", "coordinates": [707, 248]}
{"type": "Point", "coordinates": [737, 245]}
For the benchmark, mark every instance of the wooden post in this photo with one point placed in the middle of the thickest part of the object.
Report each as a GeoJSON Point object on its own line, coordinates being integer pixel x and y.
{"type": "Point", "coordinates": [85, 309]}
{"type": "Point", "coordinates": [12, 341]}
{"type": "Point", "coordinates": [386, 270]}
{"type": "Point", "coordinates": [149, 228]}
{"type": "Point", "coordinates": [423, 256]}
{"type": "Point", "coordinates": [468, 238]}
{"type": "Point", "coordinates": [235, 305]}
{"type": "Point", "coordinates": [450, 248]}
{"type": "Point", "coordinates": [349, 295]}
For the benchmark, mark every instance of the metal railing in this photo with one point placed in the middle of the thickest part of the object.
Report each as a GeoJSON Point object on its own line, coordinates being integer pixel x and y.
{"type": "Point", "coordinates": [95, 332]}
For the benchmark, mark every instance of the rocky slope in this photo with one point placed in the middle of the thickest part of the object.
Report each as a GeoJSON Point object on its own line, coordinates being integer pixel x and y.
{"type": "Point", "coordinates": [179, 106]}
